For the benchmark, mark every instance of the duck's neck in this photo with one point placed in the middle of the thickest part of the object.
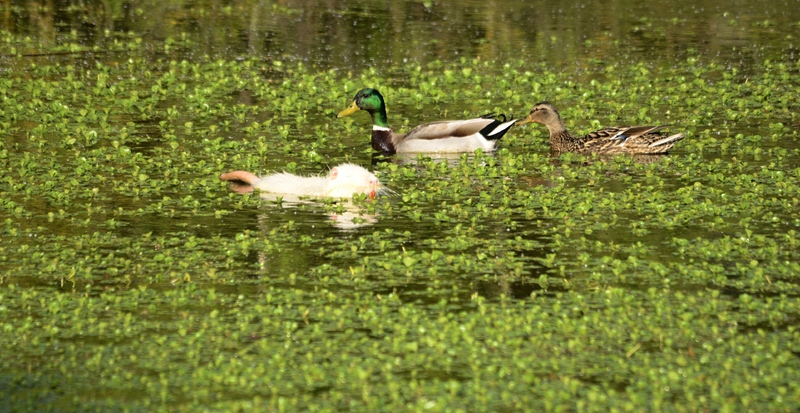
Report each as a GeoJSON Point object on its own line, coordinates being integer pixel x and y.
{"type": "Point", "coordinates": [381, 133]}
{"type": "Point", "coordinates": [558, 133]}
{"type": "Point", "coordinates": [379, 117]}
{"type": "Point", "coordinates": [382, 140]}
{"type": "Point", "coordinates": [557, 127]}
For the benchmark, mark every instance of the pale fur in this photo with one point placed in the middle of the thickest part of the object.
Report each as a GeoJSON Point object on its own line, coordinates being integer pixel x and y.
{"type": "Point", "coordinates": [343, 181]}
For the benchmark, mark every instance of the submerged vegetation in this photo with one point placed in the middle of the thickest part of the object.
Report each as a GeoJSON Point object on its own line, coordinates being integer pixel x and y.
{"type": "Point", "coordinates": [132, 278]}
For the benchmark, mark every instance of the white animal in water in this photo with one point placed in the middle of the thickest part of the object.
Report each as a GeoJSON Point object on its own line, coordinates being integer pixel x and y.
{"type": "Point", "coordinates": [343, 181]}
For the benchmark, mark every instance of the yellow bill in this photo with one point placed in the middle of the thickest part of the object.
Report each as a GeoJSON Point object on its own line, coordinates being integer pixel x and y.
{"type": "Point", "coordinates": [353, 108]}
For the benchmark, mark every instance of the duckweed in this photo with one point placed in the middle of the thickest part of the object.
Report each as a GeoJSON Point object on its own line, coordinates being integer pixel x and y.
{"type": "Point", "coordinates": [131, 278]}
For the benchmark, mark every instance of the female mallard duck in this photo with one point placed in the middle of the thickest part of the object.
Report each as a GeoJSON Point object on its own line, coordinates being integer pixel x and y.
{"type": "Point", "coordinates": [613, 140]}
{"type": "Point", "coordinates": [444, 137]}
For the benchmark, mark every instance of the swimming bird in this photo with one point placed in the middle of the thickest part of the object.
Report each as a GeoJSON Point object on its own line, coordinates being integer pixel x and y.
{"type": "Point", "coordinates": [450, 136]}
{"type": "Point", "coordinates": [343, 181]}
{"type": "Point", "coordinates": [612, 140]}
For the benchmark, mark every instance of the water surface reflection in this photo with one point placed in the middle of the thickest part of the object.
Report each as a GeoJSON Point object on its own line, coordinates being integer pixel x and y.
{"type": "Point", "coordinates": [360, 34]}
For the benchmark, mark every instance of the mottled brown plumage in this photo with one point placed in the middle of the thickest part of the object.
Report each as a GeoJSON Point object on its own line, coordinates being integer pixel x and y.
{"type": "Point", "coordinates": [613, 140]}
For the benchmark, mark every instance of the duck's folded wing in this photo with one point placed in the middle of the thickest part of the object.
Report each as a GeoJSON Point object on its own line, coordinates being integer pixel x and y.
{"type": "Point", "coordinates": [634, 139]}
{"type": "Point", "coordinates": [450, 129]}
{"type": "Point", "coordinates": [623, 132]}
{"type": "Point", "coordinates": [668, 140]}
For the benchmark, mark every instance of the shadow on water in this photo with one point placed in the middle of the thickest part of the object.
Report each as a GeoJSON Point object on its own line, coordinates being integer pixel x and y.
{"type": "Point", "coordinates": [518, 290]}
{"type": "Point", "coordinates": [24, 392]}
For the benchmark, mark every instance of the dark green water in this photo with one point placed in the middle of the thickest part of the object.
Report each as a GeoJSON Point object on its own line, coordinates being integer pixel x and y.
{"type": "Point", "coordinates": [355, 35]}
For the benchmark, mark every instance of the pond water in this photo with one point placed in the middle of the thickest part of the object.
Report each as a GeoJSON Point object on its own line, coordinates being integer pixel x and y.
{"type": "Point", "coordinates": [357, 35]}
{"type": "Point", "coordinates": [131, 278]}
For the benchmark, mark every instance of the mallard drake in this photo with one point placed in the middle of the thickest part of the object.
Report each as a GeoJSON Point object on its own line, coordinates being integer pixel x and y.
{"type": "Point", "coordinates": [613, 140]}
{"type": "Point", "coordinates": [448, 136]}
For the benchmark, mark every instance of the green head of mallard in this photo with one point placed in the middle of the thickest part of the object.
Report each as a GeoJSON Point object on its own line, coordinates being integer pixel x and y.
{"type": "Point", "coordinates": [371, 101]}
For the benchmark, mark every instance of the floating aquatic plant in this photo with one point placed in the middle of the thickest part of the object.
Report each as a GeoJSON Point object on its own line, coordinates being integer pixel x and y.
{"type": "Point", "coordinates": [515, 280]}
